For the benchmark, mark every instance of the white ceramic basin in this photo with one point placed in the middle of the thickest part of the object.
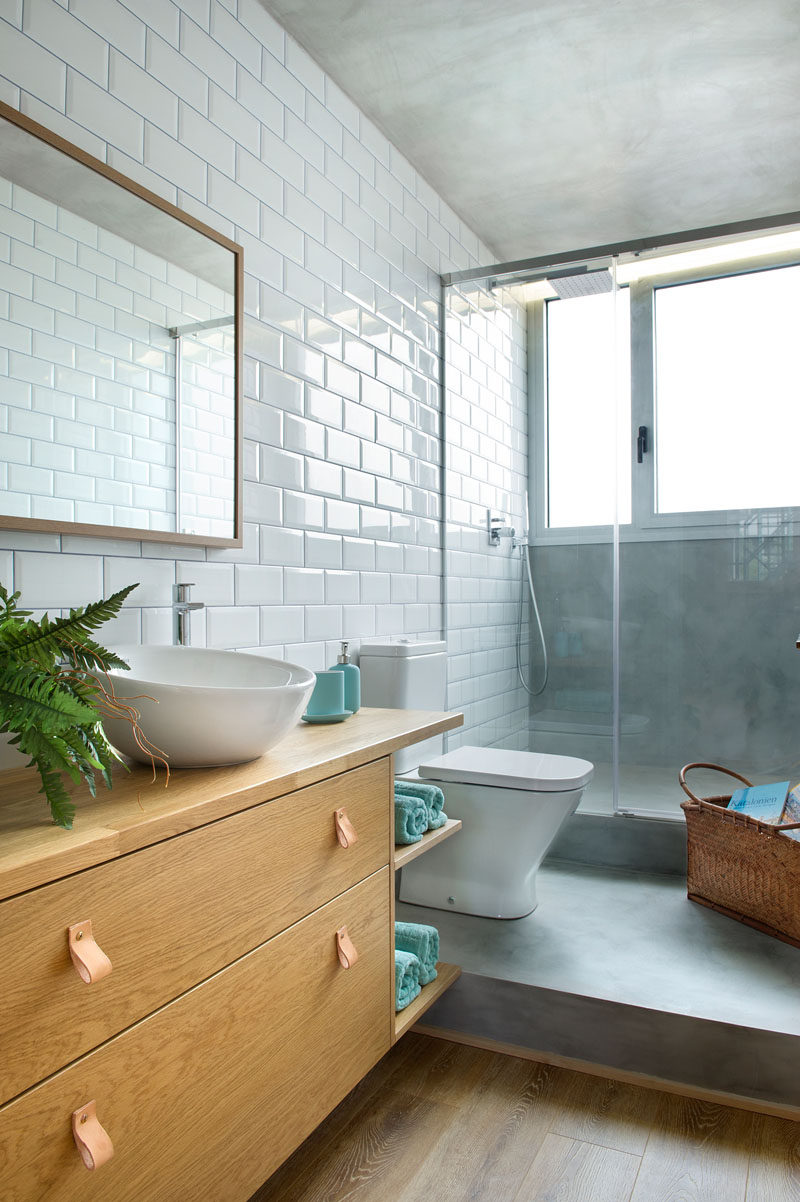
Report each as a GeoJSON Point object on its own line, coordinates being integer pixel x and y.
{"type": "Point", "coordinates": [202, 707]}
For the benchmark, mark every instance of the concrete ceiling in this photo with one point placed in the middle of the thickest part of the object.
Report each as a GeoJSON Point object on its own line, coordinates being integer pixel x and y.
{"type": "Point", "coordinates": [549, 125]}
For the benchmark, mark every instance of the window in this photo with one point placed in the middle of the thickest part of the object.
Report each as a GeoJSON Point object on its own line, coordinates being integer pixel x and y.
{"type": "Point", "coordinates": [727, 412]}
{"type": "Point", "coordinates": [588, 409]}
{"type": "Point", "coordinates": [704, 364]}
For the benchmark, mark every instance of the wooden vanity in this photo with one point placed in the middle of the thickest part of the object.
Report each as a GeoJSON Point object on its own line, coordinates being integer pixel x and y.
{"type": "Point", "coordinates": [251, 980]}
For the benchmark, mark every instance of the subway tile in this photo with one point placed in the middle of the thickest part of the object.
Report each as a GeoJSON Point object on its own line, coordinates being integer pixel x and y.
{"type": "Point", "coordinates": [302, 511]}
{"type": "Point", "coordinates": [304, 586]}
{"type": "Point", "coordinates": [259, 584]}
{"type": "Point", "coordinates": [33, 67]}
{"type": "Point", "coordinates": [213, 582]}
{"type": "Point", "coordinates": [143, 93]}
{"type": "Point", "coordinates": [233, 36]}
{"type": "Point", "coordinates": [302, 436]}
{"type": "Point", "coordinates": [358, 554]}
{"type": "Point", "coordinates": [212, 59]}
{"type": "Point", "coordinates": [323, 622]}
{"type": "Point", "coordinates": [342, 517]}
{"type": "Point", "coordinates": [305, 69]}
{"type": "Point", "coordinates": [263, 26]}
{"type": "Point", "coordinates": [49, 581]}
{"type": "Point", "coordinates": [259, 179]}
{"type": "Point", "coordinates": [323, 550]}
{"type": "Point", "coordinates": [281, 624]}
{"type": "Point", "coordinates": [304, 141]}
{"type": "Point", "coordinates": [69, 39]}
{"type": "Point", "coordinates": [281, 468]}
{"type": "Point", "coordinates": [323, 477]}
{"type": "Point", "coordinates": [104, 115]}
{"type": "Point", "coordinates": [358, 621]}
{"type": "Point", "coordinates": [281, 545]}
{"type": "Point", "coordinates": [206, 140]}
{"type": "Point", "coordinates": [233, 626]}
{"type": "Point", "coordinates": [258, 100]}
{"type": "Point", "coordinates": [286, 86]}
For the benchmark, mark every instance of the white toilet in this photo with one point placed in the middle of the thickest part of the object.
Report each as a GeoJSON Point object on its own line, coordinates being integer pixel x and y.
{"type": "Point", "coordinates": [512, 803]}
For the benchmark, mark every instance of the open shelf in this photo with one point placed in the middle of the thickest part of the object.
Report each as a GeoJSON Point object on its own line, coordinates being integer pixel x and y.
{"type": "Point", "coordinates": [448, 973]}
{"type": "Point", "coordinates": [403, 854]}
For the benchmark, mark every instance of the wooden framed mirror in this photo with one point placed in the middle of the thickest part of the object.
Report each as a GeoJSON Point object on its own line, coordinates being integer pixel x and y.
{"type": "Point", "coordinates": [120, 353]}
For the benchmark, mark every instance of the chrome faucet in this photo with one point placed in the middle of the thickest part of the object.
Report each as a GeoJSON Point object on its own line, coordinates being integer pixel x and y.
{"type": "Point", "coordinates": [181, 608]}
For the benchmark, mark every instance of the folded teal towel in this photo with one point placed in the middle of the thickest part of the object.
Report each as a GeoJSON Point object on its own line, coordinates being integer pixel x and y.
{"type": "Point", "coordinates": [410, 819]}
{"type": "Point", "coordinates": [406, 979]}
{"type": "Point", "coordinates": [432, 795]}
{"type": "Point", "coordinates": [423, 942]}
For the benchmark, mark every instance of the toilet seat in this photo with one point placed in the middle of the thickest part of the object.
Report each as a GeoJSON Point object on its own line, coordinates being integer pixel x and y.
{"type": "Point", "coordinates": [531, 770]}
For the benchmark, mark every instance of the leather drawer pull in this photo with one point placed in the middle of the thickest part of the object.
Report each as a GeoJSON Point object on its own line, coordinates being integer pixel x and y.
{"type": "Point", "coordinates": [90, 960]}
{"type": "Point", "coordinates": [345, 948]}
{"type": "Point", "coordinates": [345, 831]}
{"type": "Point", "coordinates": [91, 1139]}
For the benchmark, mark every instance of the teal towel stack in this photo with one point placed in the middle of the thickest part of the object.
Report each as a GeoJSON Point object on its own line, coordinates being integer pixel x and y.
{"type": "Point", "coordinates": [406, 979]}
{"type": "Point", "coordinates": [431, 795]}
{"type": "Point", "coordinates": [423, 942]}
{"type": "Point", "coordinates": [410, 818]}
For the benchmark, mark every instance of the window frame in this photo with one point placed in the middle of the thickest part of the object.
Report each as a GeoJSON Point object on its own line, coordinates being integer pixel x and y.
{"type": "Point", "coordinates": [646, 524]}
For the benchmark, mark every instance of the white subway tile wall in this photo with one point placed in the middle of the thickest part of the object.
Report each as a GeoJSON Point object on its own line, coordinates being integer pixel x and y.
{"type": "Point", "coordinates": [214, 107]}
{"type": "Point", "coordinates": [486, 469]}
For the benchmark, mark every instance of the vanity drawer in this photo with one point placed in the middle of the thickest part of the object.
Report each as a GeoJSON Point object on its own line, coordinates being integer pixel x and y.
{"type": "Point", "coordinates": [172, 914]}
{"type": "Point", "coordinates": [207, 1097]}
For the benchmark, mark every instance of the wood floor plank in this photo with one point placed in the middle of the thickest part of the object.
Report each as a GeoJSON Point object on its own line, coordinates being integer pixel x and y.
{"type": "Point", "coordinates": [489, 1145]}
{"type": "Point", "coordinates": [570, 1170]}
{"type": "Point", "coordinates": [440, 1122]}
{"type": "Point", "coordinates": [599, 1111]}
{"type": "Point", "coordinates": [408, 1049]}
{"type": "Point", "coordinates": [443, 1071]}
{"type": "Point", "coordinates": [370, 1158]}
{"type": "Point", "coordinates": [774, 1161]}
{"type": "Point", "coordinates": [697, 1152]}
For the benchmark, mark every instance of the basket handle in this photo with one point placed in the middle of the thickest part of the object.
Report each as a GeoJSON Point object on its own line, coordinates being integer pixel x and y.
{"type": "Point", "coordinates": [714, 768]}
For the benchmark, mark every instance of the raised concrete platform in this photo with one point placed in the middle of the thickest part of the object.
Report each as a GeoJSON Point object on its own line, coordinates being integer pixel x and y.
{"type": "Point", "coordinates": [619, 969]}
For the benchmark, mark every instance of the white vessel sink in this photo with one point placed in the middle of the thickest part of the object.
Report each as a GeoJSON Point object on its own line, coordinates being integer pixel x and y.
{"type": "Point", "coordinates": [202, 707]}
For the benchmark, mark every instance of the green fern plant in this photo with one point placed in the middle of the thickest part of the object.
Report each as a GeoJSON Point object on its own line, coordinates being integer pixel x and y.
{"type": "Point", "coordinates": [50, 700]}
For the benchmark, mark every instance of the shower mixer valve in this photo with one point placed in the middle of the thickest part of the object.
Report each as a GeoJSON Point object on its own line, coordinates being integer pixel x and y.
{"type": "Point", "coordinates": [498, 529]}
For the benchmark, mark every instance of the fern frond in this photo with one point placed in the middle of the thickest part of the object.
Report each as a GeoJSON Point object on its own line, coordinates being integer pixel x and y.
{"type": "Point", "coordinates": [50, 763]}
{"type": "Point", "coordinates": [47, 639]}
{"type": "Point", "coordinates": [61, 808]}
{"type": "Point", "coordinates": [31, 698]}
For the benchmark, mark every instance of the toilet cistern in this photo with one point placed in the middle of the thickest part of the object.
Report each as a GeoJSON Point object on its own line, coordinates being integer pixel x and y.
{"type": "Point", "coordinates": [181, 608]}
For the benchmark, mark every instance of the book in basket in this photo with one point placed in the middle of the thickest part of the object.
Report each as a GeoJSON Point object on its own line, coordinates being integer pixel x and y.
{"type": "Point", "coordinates": [791, 812]}
{"type": "Point", "coordinates": [764, 802]}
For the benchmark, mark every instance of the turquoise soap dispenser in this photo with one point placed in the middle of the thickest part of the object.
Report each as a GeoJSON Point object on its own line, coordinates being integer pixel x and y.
{"type": "Point", "coordinates": [352, 680]}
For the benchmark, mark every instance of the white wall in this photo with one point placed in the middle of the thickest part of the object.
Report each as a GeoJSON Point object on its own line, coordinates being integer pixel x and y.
{"type": "Point", "coordinates": [211, 105]}
{"type": "Point", "coordinates": [486, 469]}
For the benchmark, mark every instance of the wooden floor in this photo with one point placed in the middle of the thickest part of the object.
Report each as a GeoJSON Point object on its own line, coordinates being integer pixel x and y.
{"type": "Point", "coordinates": [442, 1122]}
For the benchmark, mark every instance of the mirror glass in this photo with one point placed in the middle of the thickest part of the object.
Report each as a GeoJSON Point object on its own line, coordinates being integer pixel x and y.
{"type": "Point", "coordinates": [119, 330]}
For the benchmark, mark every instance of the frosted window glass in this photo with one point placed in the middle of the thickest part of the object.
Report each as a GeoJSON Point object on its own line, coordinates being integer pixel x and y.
{"type": "Point", "coordinates": [727, 393]}
{"type": "Point", "coordinates": [585, 430]}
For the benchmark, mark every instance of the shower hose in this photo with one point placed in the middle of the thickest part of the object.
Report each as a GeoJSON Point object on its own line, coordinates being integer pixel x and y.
{"type": "Point", "coordinates": [525, 550]}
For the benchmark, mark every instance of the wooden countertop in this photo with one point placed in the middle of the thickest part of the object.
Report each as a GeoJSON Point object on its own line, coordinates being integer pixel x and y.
{"type": "Point", "coordinates": [139, 811]}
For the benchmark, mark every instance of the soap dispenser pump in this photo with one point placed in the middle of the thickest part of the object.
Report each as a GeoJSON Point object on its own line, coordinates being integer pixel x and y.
{"type": "Point", "coordinates": [352, 680]}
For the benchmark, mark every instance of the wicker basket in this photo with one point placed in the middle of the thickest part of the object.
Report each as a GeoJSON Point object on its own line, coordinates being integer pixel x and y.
{"type": "Point", "coordinates": [740, 866]}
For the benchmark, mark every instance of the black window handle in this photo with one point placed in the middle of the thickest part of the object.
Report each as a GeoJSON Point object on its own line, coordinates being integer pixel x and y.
{"type": "Point", "coordinates": [641, 444]}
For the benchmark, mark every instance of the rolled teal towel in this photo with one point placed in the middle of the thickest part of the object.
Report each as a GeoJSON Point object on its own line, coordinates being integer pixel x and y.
{"type": "Point", "coordinates": [432, 795]}
{"type": "Point", "coordinates": [423, 942]}
{"type": "Point", "coordinates": [406, 979]}
{"type": "Point", "coordinates": [410, 819]}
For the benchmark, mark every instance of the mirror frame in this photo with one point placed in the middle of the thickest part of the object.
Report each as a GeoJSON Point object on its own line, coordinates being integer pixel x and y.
{"type": "Point", "coordinates": [129, 532]}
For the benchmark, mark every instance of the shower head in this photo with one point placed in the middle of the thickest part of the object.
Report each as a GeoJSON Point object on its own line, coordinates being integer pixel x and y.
{"type": "Point", "coordinates": [566, 284]}
{"type": "Point", "coordinates": [588, 283]}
